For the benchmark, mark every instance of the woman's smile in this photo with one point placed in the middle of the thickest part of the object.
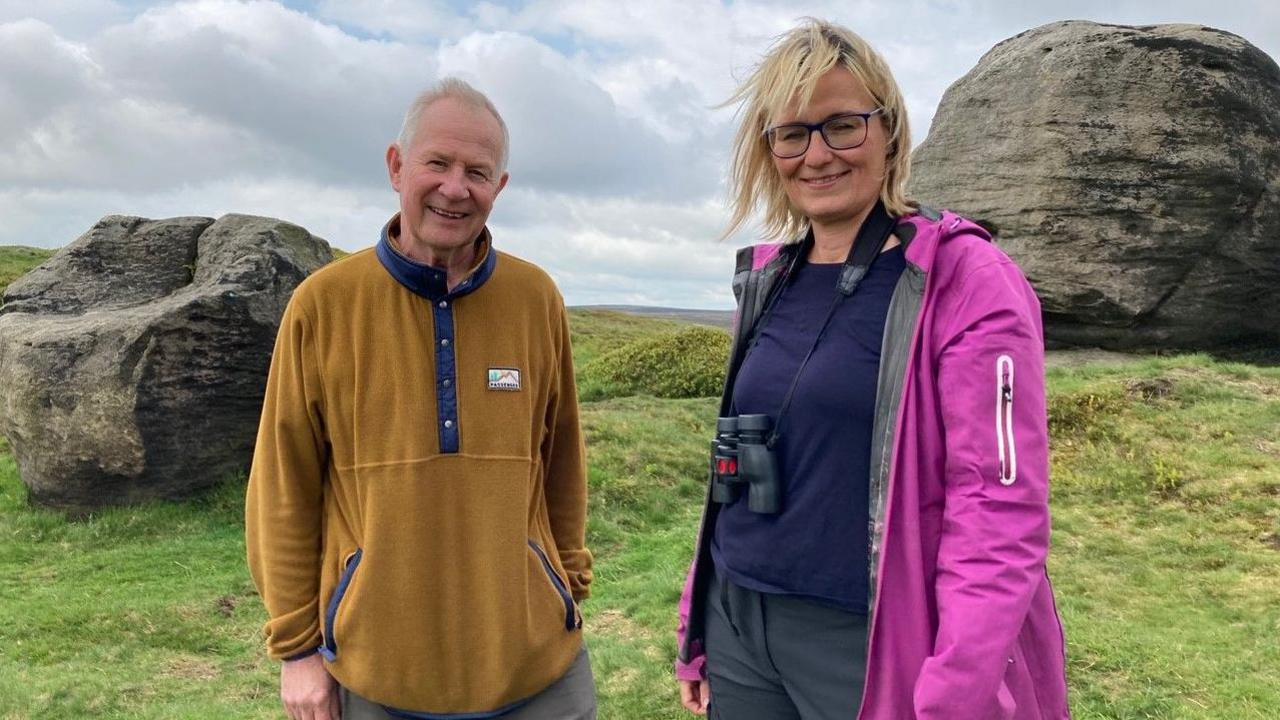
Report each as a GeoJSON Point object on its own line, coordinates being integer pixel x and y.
{"type": "Point", "coordinates": [822, 182]}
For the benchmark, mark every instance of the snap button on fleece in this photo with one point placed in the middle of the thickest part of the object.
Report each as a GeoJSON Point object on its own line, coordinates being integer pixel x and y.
{"type": "Point", "coordinates": [444, 303]}
{"type": "Point", "coordinates": [448, 423]}
{"type": "Point", "coordinates": [445, 342]}
{"type": "Point", "coordinates": [447, 382]}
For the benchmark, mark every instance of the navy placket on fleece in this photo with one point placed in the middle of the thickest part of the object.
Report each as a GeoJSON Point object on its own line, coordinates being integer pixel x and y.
{"type": "Point", "coordinates": [432, 284]}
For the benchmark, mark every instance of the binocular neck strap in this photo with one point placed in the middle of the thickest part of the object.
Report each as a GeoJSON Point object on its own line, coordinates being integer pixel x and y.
{"type": "Point", "coordinates": [872, 236]}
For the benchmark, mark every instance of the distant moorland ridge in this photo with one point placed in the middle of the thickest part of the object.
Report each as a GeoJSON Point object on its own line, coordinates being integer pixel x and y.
{"type": "Point", "coordinates": [715, 318]}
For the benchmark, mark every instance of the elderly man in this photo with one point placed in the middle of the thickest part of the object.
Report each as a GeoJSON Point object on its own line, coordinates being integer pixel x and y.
{"type": "Point", "coordinates": [417, 506]}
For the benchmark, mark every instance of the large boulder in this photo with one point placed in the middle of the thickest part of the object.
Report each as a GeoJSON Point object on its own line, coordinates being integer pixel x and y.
{"type": "Point", "coordinates": [133, 362]}
{"type": "Point", "coordinates": [1133, 173]}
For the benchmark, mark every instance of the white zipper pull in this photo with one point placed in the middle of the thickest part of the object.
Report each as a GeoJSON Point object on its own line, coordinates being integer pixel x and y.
{"type": "Point", "coordinates": [1004, 420]}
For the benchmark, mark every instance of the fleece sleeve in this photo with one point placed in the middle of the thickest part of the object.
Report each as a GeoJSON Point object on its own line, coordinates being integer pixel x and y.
{"type": "Point", "coordinates": [995, 536]}
{"type": "Point", "coordinates": [564, 460]}
{"type": "Point", "coordinates": [284, 500]}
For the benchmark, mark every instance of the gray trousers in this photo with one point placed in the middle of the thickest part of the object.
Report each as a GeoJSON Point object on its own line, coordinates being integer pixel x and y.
{"type": "Point", "coordinates": [572, 697]}
{"type": "Point", "coordinates": [778, 657]}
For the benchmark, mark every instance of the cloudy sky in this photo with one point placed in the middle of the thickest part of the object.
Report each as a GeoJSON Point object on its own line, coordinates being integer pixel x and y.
{"type": "Point", "coordinates": [286, 108]}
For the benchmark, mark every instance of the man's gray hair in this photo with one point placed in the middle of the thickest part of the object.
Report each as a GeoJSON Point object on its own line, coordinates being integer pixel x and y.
{"type": "Point", "coordinates": [451, 87]}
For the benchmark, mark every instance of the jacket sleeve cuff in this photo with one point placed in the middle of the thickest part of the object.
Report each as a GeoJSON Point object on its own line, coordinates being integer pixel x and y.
{"type": "Point", "coordinates": [577, 565]}
{"type": "Point", "coordinates": [293, 645]}
{"type": "Point", "coordinates": [302, 655]}
{"type": "Point", "coordinates": [694, 670]}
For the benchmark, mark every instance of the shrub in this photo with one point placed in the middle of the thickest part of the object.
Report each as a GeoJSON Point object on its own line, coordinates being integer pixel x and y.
{"type": "Point", "coordinates": [1086, 413]}
{"type": "Point", "coordinates": [685, 363]}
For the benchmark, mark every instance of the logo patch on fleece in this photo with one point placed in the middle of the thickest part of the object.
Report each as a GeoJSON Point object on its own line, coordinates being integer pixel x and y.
{"type": "Point", "coordinates": [504, 379]}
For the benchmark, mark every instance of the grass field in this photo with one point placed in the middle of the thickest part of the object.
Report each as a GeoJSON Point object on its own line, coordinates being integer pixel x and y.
{"type": "Point", "coordinates": [16, 260]}
{"type": "Point", "coordinates": [1166, 559]}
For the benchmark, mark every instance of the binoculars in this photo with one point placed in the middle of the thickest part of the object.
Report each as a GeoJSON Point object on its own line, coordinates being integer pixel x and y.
{"type": "Point", "coordinates": [741, 456]}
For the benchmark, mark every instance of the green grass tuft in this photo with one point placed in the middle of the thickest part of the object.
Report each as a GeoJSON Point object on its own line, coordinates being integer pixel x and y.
{"type": "Point", "coordinates": [595, 332]}
{"type": "Point", "coordinates": [685, 363]}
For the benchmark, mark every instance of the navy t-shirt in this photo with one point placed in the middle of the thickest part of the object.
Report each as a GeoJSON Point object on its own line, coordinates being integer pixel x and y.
{"type": "Point", "coordinates": [817, 546]}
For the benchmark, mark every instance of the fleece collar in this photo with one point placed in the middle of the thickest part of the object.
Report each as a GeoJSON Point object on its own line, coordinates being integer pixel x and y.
{"type": "Point", "coordinates": [429, 282]}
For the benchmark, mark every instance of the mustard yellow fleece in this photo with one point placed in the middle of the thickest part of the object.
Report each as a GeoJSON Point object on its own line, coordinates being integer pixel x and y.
{"type": "Point", "coordinates": [448, 568]}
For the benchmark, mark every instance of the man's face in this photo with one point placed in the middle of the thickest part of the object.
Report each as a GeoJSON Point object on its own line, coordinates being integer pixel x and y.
{"type": "Point", "coordinates": [448, 177]}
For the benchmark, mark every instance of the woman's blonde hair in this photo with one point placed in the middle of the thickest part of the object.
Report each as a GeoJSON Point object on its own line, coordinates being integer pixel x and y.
{"type": "Point", "coordinates": [791, 70]}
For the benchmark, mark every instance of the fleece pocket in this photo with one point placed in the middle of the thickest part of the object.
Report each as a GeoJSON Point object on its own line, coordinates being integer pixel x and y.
{"type": "Point", "coordinates": [571, 621]}
{"type": "Point", "coordinates": [330, 648]}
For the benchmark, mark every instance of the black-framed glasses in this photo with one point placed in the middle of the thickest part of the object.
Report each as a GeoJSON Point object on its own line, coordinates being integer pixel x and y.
{"type": "Point", "coordinates": [842, 132]}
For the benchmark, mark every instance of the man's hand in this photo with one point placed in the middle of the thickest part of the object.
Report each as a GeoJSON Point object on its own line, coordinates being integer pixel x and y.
{"type": "Point", "coordinates": [695, 696]}
{"type": "Point", "coordinates": [308, 690]}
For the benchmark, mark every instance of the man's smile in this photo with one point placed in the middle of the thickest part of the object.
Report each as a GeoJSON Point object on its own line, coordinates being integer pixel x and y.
{"type": "Point", "coordinates": [446, 213]}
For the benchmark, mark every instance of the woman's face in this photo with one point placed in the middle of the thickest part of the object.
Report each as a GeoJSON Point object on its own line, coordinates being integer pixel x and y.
{"type": "Point", "coordinates": [828, 186]}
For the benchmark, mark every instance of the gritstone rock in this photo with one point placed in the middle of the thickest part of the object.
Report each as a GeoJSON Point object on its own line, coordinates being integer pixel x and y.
{"type": "Point", "coordinates": [1133, 173]}
{"type": "Point", "coordinates": [134, 360]}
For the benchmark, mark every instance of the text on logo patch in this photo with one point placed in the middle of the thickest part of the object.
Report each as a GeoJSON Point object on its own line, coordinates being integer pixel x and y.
{"type": "Point", "coordinates": [504, 379]}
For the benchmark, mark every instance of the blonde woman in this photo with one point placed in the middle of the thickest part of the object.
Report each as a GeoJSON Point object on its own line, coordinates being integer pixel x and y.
{"type": "Point", "coordinates": [876, 530]}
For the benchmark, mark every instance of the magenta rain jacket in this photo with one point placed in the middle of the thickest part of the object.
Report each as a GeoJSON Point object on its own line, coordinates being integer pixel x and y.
{"type": "Point", "coordinates": [963, 622]}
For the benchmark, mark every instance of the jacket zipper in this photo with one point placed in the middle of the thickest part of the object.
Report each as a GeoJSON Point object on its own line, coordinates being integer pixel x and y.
{"type": "Point", "coordinates": [329, 650]}
{"type": "Point", "coordinates": [1005, 447]}
{"type": "Point", "coordinates": [874, 613]}
{"type": "Point", "coordinates": [571, 621]}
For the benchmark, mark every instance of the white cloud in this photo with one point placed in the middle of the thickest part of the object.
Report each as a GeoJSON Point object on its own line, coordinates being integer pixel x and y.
{"type": "Point", "coordinates": [40, 73]}
{"type": "Point", "coordinates": [567, 133]}
{"type": "Point", "coordinates": [76, 19]}
{"type": "Point", "coordinates": [416, 20]}
{"type": "Point", "coordinates": [66, 125]}
{"type": "Point", "coordinates": [196, 92]}
{"type": "Point", "coordinates": [599, 251]}
{"type": "Point", "coordinates": [328, 103]}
